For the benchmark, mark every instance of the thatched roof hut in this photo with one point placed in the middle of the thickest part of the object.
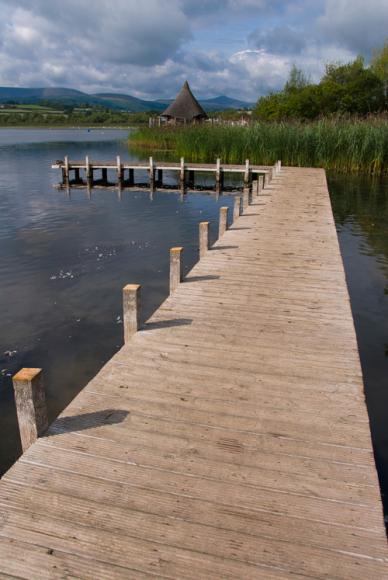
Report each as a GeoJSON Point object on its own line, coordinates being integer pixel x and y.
{"type": "Point", "coordinates": [185, 108]}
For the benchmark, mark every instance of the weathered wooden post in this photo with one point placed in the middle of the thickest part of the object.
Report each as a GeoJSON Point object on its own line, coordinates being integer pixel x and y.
{"type": "Point", "coordinates": [219, 175]}
{"type": "Point", "coordinates": [66, 173]}
{"type": "Point", "coordinates": [175, 268]}
{"type": "Point", "coordinates": [247, 174]}
{"type": "Point", "coordinates": [203, 238]}
{"type": "Point", "coordinates": [260, 184]}
{"type": "Point", "coordinates": [245, 198]}
{"type": "Point", "coordinates": [255, 188]}
{"type": "Point", "coordinates": [236, 207]}
{"type": "Point", "coordinates": [151, 171]}
{"type": "Point", "coordinates": [131, 309]}
{"type": "Point", "coordinates": [182, 173]}
{"type": "Point", "coordinates": [89, 171]}
{"type": "Point", "coordinates": [119, 169]}
{"type": "Point", "coordinates": [223, 223]}
{"type": "Point", "coordinates": [30, 405]}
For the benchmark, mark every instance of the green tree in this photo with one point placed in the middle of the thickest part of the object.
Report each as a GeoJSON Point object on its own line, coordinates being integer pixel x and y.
{"type": "Point", "coordinates": [297, 80]}
{"type": "Point", "coordinates": [379, 66]}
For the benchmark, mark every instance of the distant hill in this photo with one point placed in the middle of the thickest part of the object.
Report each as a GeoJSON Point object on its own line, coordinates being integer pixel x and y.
{"type": "Point", "coordinates": [72, 97]}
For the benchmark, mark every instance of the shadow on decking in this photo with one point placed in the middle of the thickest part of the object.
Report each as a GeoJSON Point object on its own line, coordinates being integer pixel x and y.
{"type": "Point", "coordinates": [166, 323]}
{"type": "Point", "coordinates": [86, 421]}
{"type": "Point", "coordinates": [224, 247]}
{"type": "Point", "coordinates": [201, 278]}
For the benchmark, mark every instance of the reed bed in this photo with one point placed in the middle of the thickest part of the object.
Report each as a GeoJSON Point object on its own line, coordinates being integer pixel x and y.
{"type": "Point", "coordinates": [341, 145]}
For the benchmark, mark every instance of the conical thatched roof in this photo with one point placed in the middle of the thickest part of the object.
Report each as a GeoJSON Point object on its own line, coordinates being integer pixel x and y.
{"type": "Point", "coordinates": [185, 106]}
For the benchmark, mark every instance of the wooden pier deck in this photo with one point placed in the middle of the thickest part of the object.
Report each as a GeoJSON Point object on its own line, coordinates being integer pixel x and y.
{"type": "Point", "coordinates": [125, 172]}
{"type": "Point", "coordinates": [229, 437]}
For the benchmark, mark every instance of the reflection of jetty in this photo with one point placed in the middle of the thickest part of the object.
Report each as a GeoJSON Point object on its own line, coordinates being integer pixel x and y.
{"type": "Point", "coordinates": [129, 174]}
{"type": "Point", "coordinates": [228, 438]}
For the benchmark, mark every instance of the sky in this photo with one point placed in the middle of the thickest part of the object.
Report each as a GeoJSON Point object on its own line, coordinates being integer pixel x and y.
{"type": "Point", "coordinates": [148, 48]}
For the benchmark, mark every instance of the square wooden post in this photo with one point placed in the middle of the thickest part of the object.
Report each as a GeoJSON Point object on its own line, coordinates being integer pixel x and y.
{"type": "Point", "coordinates": [223, 223]}
{"type": "Point", "coordinates": [66, 173]}
{"type": "Point", "coordinates": [236, 207]}
{"type": "Point", "coordinates": [260, 184]}
{"type": "Point", "coordinates": [245, 199]}
{"type": "Point", "coordinates": [182, 173]}
{"type": "Point", "coordinates": [175, 268]}
{"type": "Point", "coordinates": [152, 173]}
{"type": "Point", "coordinates": [30, 405]}
{"type": "Point", "coordinates": [119, 169]}
{"type": "Point", "coordinates": [131, 309]}
{"type": "Point", "coordinates": [203, 238]}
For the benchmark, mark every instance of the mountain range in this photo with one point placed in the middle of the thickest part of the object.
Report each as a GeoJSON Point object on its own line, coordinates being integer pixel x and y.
{"type": "Point", "coordinates": [117, 101]}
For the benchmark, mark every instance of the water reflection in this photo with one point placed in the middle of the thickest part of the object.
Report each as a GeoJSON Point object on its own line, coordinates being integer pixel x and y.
{"type": "Point", "coordinates": [360, 206]}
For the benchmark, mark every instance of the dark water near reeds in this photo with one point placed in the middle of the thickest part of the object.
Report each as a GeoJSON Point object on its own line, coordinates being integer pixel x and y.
{"type": "Point", "coordinates": [64, 261]}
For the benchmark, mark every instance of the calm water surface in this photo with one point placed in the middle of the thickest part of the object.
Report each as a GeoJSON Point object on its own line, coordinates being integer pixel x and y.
{"type": "Point", "coordinates": [360, 208]}
{"type": "Point", "coordinates": [64, 260]}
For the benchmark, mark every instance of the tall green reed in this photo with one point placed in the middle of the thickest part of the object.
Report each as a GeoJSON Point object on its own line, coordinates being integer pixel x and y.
{"type": "Point", "coordinates": [344, 145]}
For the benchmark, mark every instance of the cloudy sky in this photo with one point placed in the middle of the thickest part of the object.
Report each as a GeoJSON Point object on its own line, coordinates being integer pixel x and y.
{"type": "Point", "coordinates": [147, 48]}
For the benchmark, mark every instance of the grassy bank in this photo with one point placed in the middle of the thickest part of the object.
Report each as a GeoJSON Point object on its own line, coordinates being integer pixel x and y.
{"type": "Point", "coordinates": [342, 145]}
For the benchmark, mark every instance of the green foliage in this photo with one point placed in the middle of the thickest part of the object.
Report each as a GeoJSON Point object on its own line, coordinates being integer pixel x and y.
{"type": "Point", "coordinates": [344, 89]}
{"type": "Point", "coordinates": [343, 145]}
{"type": "Point", "coordinates": [38, 115]}
{"type": "Point", "coordinates": [297, 80]}
{"type": "Point", "coordinates": [379, 66]}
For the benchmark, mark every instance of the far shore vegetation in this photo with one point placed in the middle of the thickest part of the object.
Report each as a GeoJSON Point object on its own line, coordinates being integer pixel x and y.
{"type": "Point", "coordinates": [48, 114]}
{"type": "Point", "coordinates": [340, 123]}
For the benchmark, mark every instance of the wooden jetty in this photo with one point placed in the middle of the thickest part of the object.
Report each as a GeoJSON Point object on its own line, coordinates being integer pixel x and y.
{"type": "Point", "coordinates": [126, 174]}
{"type": "Point", "coordinates": [229, 437]}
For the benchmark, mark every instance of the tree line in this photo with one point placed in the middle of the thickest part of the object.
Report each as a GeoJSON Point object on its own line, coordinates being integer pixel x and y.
{"type": "Point", "coordinates": [345, 89]}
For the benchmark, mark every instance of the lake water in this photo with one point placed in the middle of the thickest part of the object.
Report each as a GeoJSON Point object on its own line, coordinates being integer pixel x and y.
{"type": "Point", "coordinates": [64, 261]}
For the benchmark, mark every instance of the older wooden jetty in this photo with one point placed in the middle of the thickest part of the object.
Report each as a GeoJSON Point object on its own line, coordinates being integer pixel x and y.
{"type": "Point", "coordinates": [229, 437]}
{"type": "Point", "coordinates": [130, 174]}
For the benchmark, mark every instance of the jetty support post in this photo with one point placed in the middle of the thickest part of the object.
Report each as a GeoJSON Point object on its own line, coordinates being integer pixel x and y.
{"type": "Point", "coordinates": [119, 169]}
{"type": "Point", "coordinates": [223, 223]}
{"type": "Point", "coordinates": [247, 174]}
{"type": "Point", "coordinates": [131, 310]}
{"type": "Point", "coordinates": [65, 171]}
{"type": "Point", "coordinates": [160, 177]}
{"type": "Point", "coordinates": [236, 207]}
{"type": "Point", "coordinates": [131, 177]}
{"type": "Point", "coordinates": [260, 184]}
{"type": "Point", "coordinates": [219, 176]}
{"type": "Point", "coordinates": [175, 268]}
{"type": "Point", "coordinates": [191, 180]}
{"type": "Point", "coordinates": [182, 173]}
{"type": "Point", "coordinates": [203, 238]}
{"type": "Point", "coordinates": [76, 175]}
{"type": "Point", "coordinates": [255, 185]}
{"type": "Point", "coordinates": [151, 172]}
{"type": "Point", "coordinates": [104, 175]}
{"type": "Point", "coordinates": [30, 402]}
{"type": "Point", "coordinates": [245, 198]}
{"type": "Point", "coordinates": [89, 171]}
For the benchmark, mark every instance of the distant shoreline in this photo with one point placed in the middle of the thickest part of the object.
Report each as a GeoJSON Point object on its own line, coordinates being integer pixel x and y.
{"type": "Point", "coordinates": [69, 127]}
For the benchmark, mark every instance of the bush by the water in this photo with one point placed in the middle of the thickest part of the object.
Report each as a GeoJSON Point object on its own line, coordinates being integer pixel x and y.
{"type": "Point", "coordinates": [345, 145]}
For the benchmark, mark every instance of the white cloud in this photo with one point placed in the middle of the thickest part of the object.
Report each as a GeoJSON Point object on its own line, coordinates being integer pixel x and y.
{"type": "Point", "coordinates": [147, 49]}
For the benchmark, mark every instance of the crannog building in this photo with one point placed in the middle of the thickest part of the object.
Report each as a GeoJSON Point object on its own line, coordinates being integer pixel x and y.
{"type": "Point", "coordinates": [185, 108]}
